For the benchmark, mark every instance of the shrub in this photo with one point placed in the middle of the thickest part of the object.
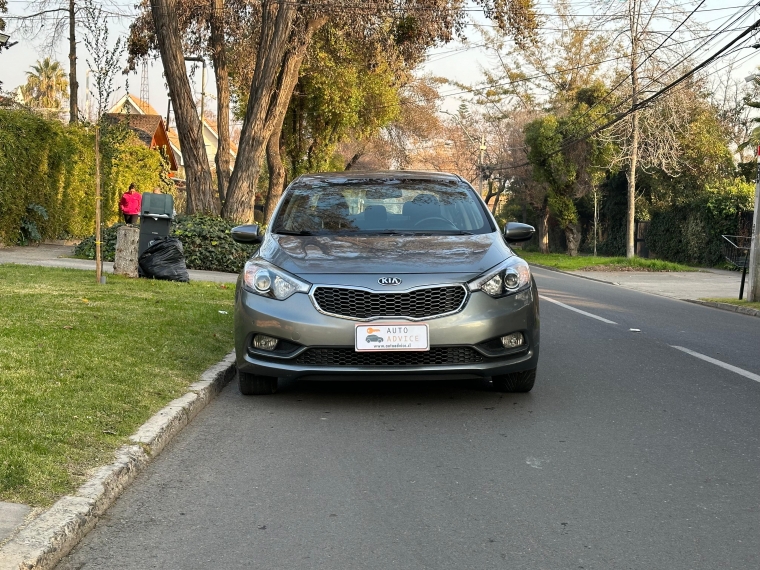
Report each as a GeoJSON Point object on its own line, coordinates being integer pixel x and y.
{"type": "Point", "coordinates": [206, 240]}
{"type": "Point", "coordinates": [86, 248]}
{"type": "Point", "coordinates": [29, 230]}
{"type": "Point", "coordinates": [208, 244]}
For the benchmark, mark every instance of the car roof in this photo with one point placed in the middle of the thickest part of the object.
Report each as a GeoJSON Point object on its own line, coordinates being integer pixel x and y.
{"type": "Point", "coordinates": [360, 175]}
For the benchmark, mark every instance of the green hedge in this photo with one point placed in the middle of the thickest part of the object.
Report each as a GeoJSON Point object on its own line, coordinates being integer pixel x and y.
{"type": "Point", "coordinates": [44, 163]}
{"type": "Point", "coordinates": [206, 240]}
{"type": "Point", "coordinates": [691, 233]}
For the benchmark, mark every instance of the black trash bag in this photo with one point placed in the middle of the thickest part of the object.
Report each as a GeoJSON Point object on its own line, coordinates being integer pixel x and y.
{"type": "Point", "coordinates": [164, 259]}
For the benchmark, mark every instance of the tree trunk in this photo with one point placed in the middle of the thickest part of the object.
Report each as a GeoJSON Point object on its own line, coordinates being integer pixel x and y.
{"type": "Point", "coordinates": [500, 186]}
{"type": "Point", "coordinates": [73, 84]}
{"type": "Point", "coordinates": [219, 59]}
{"type": "Point", "coordinates": [630, 233]}
{"type": "Point", "coordinates": [630, 236]}
{"type": "Point", "coordinates": [125, 259]}
{"type": "Point", "coordinates": [279, 59]}
{"type": "Point", "coordinates": [543, 229]}
{"type": "Point", "coordinates": [354, 159]}
{"type": "Point", "coordinates": [276, 174]}
{"type": "Point", "coordinates": [573, 238]}
{"type": "Point", "coordinates": [198, 173]}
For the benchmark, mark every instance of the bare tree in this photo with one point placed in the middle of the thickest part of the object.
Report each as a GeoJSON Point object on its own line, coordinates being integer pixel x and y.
{"type": "Point", "coordinates": [651, 135]}
{"type": "Point", "coordinates": [62, 14]}
{"type": "Point", "coordinates": [105, 61]}
{"type": "Point", "coordinates": [730, 97]}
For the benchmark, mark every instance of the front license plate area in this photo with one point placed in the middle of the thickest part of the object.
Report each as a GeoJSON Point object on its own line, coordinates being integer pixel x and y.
{"type": "Point", "coordinates": [387, 337]}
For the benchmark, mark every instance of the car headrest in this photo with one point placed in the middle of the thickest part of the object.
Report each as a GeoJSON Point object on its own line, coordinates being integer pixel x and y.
{"type": "Point", "coordinates": [422, 206]}
{"type": "Point", "coordinates": [375, 214]}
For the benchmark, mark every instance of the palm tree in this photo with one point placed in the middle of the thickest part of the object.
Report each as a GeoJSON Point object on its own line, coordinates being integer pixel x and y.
{"type": "Point", "coordinates": [46, 85]}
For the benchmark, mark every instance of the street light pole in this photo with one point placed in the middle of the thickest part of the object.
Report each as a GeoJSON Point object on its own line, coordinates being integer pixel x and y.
{"type": "Point", "coordinates": [5, 41]}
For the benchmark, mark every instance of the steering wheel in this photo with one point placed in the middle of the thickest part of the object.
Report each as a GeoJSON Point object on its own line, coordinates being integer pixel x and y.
{"type": "Point", "coordinates": [451, 224]}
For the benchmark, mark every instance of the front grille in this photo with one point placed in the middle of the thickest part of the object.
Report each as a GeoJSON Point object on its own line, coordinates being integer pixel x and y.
{"type": "Point", "coordinates": [436, 356]}
{"type": "Point", "coordinates": [416, 304]}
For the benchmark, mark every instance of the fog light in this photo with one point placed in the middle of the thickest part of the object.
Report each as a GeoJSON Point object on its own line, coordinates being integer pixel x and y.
{"type": "Point", "coordinates": [513, 340]}
{"type": "Point", "coordinates": [264, 342]}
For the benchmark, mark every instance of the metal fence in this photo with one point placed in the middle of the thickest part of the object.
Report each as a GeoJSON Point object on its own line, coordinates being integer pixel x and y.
{"type": "Point", "coordinates": [736, 251]}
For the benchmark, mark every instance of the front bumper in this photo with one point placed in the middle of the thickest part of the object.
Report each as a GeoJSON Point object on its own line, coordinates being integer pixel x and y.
{"type": "Point", "coordinates": [310, 335]}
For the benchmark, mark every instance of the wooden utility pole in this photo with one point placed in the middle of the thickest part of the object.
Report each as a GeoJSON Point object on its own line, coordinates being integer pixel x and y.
{"type": "Point", "coordinates": [754, 244]}
{"type": "Point", "coordinates": [73, 85]}
{"type": "Point", "coordinates": [98, 256]}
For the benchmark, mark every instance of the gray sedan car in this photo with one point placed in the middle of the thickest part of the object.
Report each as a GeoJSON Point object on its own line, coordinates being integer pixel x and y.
{"type": "Point", "coordinates": [385, 275]}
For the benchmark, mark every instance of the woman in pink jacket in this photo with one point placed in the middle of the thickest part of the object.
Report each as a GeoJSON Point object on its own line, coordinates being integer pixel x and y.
{"type": "Point", "coordinates": [130, 204]}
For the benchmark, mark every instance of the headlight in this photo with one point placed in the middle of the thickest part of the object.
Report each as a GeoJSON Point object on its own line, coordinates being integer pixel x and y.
{"type": "Point", "coordinates": [510, 277]}
{"type": "Point", "coordinates": [267, 280]}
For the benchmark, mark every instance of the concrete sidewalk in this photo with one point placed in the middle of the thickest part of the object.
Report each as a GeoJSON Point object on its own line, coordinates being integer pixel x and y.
{"type": "Point", "coordinates": [61, 256]}
{"type": "Point", "coordinates": [687, 285]}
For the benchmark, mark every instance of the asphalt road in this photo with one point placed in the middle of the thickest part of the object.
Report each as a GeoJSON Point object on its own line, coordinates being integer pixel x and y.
{"type": "Point", "coordinates": [628, 454]}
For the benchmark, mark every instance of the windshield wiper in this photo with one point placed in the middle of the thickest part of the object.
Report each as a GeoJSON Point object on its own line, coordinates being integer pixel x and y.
{"type": "Point", "coordinates": [294, 233]}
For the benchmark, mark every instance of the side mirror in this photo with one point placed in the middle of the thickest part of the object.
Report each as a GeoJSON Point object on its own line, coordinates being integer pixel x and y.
{"type": "Point", "coordinates": [514, 232]}
{"type": "Point", "coordinates": [248, 233]}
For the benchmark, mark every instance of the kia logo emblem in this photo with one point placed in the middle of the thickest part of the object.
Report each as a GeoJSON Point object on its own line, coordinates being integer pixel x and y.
{"type": "Point", "coordinates": [389, 281]}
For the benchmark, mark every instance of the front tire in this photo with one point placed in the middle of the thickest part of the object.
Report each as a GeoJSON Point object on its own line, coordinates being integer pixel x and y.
{"type": "Point", "coordinates": [515, 382]}
{"type": "Point", "coordinates": [254, 385]}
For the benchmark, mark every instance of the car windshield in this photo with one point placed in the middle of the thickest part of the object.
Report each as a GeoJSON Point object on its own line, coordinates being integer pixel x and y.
{"type": "Point", "coordinates": [381, 207]}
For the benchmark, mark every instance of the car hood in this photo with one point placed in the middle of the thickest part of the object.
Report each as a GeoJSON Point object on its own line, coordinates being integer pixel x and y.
{"type": "Point", "coordinates": [304, 255]}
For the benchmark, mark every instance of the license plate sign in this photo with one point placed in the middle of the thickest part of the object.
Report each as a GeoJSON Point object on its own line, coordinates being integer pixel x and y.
{"type": "Point", "coordinates": [392, 337]}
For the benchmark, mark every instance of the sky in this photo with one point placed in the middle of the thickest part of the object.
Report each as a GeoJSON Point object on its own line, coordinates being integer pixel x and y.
{"type": "Point", "coordinates": [454, 61]}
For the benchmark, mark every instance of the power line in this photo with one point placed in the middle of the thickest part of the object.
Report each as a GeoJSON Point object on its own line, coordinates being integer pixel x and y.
{"type": "Point", "coordinates": [475, 90]}
{"type": "Point", "coordinates": [644, 102]}
{"type": "Point", "coordinates": [647, 58]}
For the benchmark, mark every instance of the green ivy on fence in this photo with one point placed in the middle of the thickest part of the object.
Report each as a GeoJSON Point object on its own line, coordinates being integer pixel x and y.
{"type": "Point", "coordinates": [691, 233]}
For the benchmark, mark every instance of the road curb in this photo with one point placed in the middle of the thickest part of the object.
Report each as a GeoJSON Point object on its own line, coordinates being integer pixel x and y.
{"type": "Point", "coordinates": [727, 307]}
{"type": "Point", "coordinates": [42, 543]}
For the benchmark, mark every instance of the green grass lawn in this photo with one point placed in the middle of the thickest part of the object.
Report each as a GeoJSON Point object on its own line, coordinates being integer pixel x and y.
{"type": "Point", "coordinates": [732, 301]}
{"type": "Point", "coordinates": [82, 366]}
{"type": "Point", "coordinates": [567, 263]}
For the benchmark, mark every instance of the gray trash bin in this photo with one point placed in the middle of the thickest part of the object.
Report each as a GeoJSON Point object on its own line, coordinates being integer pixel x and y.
{"type": "Point", "coordinates": [156, 216]}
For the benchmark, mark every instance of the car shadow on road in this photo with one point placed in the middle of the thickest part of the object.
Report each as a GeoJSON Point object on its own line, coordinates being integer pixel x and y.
{"type": "Point", "coordinates": [397, 392]}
